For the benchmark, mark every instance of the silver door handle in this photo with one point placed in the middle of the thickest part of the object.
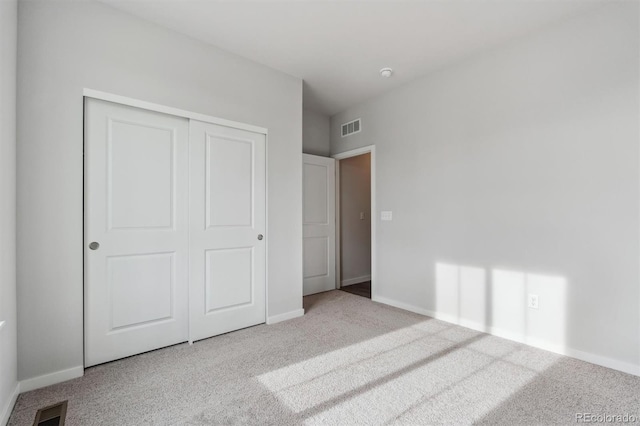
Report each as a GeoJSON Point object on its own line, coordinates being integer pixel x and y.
{"type": "Point", "coordinates": [260, 236]}
{"type": "Point", "coordinates": [94, 246]}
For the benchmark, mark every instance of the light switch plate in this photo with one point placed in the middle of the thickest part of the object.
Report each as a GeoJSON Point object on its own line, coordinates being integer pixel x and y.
{"type": "Point", "coordinates": [361, 215]}
{"type": "Point", "coordinates": [532, 301]}
{"type": "Point", "coordinates": [386, 215]}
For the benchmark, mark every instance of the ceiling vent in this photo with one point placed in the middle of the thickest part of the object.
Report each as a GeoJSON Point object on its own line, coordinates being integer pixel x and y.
{"type": "Point", "coordinates": [351, 127]}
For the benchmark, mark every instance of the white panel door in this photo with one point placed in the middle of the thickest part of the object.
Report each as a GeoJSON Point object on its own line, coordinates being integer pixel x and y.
{"type": "Point", "coordinates": [319, 224]}
{"type": "Point", "coordinates": [227, 229]}
{"type": "Point", "coordinates": [136, 231]}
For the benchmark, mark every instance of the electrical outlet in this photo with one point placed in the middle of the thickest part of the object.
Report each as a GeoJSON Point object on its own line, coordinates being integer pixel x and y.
{"type": "Point", "coordinates": [532, 301]}
{"type": "Point", "coordinates": [386, 215]}
{"type": "Point", "coordinates": [361, 215]}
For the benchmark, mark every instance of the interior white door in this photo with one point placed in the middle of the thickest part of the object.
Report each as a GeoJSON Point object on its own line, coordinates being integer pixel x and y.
{"type": "Point", "coordinates": [319, 224]}
{"type": "Point", "coordinates": [136, 231]}
{"type": "Point", "coordinates": [227, 229]}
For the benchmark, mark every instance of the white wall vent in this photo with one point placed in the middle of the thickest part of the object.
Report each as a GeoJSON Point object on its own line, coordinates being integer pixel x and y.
{"type": "Point", "coordinates": [351, 127]}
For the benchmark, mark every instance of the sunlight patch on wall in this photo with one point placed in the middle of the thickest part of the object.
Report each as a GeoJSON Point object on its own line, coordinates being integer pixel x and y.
{"type": "Point", "coordinates": [497, 301]}
{"type": "Point", "coordinates": [461, 293]}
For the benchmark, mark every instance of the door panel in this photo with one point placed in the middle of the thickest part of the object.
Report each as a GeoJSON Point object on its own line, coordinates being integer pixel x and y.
{"type": "Point", "coordinates": [133, 278]}
{"type": "Point", "coordinates": [319, 224]}
{"type": "Point", "coordinates": [316, 192]}
{"type": "Point", "coordinates": [136, 201]}
{"type": "Point", "coordinates": [140, 175]}
{"type": "Point", "coordinates": [227, 260]}
{"type": "Point", "coordinates": [229, 182]}
{"type": "Point", "coordinates": [228, 278]}
{"type": "Point", "coordinates": [316, 257]}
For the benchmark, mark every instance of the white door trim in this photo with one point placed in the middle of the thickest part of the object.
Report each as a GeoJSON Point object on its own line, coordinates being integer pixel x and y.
{"type": "Point", "coordinates": [150, 106]}
{"type": "Point", "coordinates": [374, 266]}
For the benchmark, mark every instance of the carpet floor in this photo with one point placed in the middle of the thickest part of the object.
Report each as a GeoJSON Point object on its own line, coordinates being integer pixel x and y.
{"type": "Point", "coordinates": [348, 361]}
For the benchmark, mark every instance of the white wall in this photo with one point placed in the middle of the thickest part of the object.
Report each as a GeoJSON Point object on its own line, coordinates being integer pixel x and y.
{"type": "Point", "coordinates": [316, 129]}
{"type": "Point", "coordinates": [8, 46]}
{"type": "Point", "coordinates": [515, 172]}
{"type": "Point", "coordinates": [67, 46]}
{"type": "Point", "coordinates": [355, 233]}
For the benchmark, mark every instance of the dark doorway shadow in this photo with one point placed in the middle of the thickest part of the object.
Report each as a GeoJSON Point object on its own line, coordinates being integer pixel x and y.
{"type": "Point", "coordinates": [360, 289]}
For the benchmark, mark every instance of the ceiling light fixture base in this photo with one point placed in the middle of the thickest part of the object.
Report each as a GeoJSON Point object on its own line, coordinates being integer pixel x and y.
{"type": "Point", "coordinates": [386, 72]}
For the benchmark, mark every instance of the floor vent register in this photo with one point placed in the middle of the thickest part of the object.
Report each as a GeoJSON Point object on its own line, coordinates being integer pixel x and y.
{"type": "Point", "coordinates": [52, 415]}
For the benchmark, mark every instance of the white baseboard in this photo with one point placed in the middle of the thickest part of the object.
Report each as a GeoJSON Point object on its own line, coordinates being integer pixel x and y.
{"type": "Point", "coordinates": [401, 305]}
{"type": "Point", "coordinates": [603, 361]}
{"type": "Point", "coordinates": [614, 364]}
{"type": "Point", "coordinates": [356, 280]}
{"type": "Point", "coordinates": [8, 408]}
{"type": "Point", "coordinates": [284, 317]}
{"type": "Point", "coordinates": [51, 378]}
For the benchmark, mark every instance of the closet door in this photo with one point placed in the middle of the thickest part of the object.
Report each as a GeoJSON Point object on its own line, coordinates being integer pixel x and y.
{"type": "Point", "coordinates": [136, 231]}
{"type": "Point", "coordinates": [227, 229]}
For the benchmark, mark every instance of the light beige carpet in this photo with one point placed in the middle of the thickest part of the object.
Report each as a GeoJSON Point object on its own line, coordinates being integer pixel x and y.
{"type": "Point", "coordinates": [348, 361]}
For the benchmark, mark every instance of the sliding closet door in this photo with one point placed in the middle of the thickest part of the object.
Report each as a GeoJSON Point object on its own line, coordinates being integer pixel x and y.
{"type": "Point", "coordinates": [227, 229]}
{"type": "Point", "coordinates": [136, 231]}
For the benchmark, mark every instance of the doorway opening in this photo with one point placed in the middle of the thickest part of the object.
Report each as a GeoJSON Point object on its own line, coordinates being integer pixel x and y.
{"type": "Point", "coordinates": [355, 221]}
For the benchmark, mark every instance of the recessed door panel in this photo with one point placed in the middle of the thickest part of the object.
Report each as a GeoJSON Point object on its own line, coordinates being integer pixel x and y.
{"type": "Point", "coordinates": [140, 175]}
{"type": "Point", "coordinates": [229, 278]}
{"type": "Point", "coordinates": [315, 260]}
{"type": "Point", "coordinates": [141, 289]}
{"type": "Point", "coordinates": [315, 194]}
{"type": "Point", "coordinates": [229, 178]}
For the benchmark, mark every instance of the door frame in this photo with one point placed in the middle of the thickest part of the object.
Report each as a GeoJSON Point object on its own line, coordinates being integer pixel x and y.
{"type": "Point", "coordinates": [150, 106]}
{"type": "Point", "coordinates": [369, 149]}
{"type": "Point", "coordinates": [137, 103]}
